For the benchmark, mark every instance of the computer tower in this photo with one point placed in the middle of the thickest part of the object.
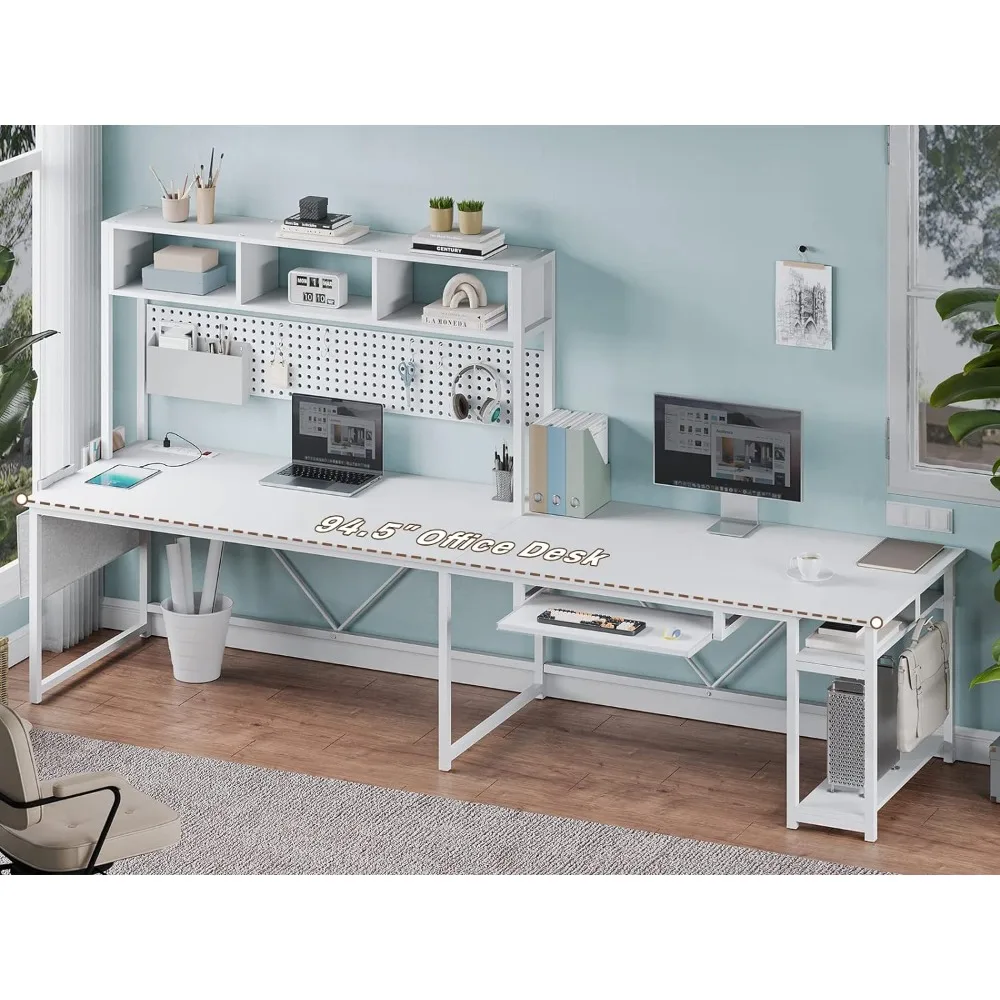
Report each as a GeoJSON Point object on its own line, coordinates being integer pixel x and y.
{"type": "Point", "coordinates": [845, 730]}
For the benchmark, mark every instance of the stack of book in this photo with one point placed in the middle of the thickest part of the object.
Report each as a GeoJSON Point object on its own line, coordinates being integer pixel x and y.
{"type": "Point", "coordinates": [464, 317]}
{"type": "Point", "coordinates": [336, 229]}
{"type": "Point", "coordinates": [454, 244]}
{"type": "Point", "coordinates": [568, 468]}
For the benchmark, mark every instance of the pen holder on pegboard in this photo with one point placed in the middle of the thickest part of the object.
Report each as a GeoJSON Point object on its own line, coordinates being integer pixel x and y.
{"type": "Point", "coordinates": [504, 485]}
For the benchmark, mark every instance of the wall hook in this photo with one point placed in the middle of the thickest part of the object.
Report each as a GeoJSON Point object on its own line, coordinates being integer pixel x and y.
{"type": "Point", "coordinates": [803, 250]}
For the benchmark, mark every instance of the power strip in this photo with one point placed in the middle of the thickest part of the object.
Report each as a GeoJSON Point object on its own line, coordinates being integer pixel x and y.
{"type": "Point", "coordinates": [182, 450]}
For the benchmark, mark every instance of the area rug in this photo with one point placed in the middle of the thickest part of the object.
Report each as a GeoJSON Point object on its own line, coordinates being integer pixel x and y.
{"type": "Point", "coordinates": [244, 819]}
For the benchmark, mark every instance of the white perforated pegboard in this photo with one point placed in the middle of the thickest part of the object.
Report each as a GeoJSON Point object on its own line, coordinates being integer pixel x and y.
{"type": "Point", "coordinates": [332, 360]}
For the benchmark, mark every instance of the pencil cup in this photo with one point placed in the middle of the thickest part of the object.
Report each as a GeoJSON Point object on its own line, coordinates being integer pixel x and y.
{"type": "Point", "coordinates": [176, 209]}
{"type": "Point", "coordinates": [206, 205]}
{"type": "Point", "coordinates": [197, 642]}
{"type": "Point", "coordinates": [505, 485]}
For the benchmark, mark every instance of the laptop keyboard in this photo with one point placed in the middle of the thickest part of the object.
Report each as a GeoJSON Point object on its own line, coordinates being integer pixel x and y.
{"type": "Point", "coordinates": [327, 475]}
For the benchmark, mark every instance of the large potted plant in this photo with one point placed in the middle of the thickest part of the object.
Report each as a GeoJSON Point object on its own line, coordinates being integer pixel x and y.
{"type": "Point", "coordinates": [978, 380]}
{"type": "Point", "coordinates": [18, 385]}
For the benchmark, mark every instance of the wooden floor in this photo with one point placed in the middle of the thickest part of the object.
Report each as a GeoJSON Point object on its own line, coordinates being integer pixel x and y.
{"type": "Point", "coordinates": [675, 776]}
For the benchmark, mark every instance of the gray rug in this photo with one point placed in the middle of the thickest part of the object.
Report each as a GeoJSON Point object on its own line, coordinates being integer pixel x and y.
{"type": "Point", "coordinates": [240, 819]}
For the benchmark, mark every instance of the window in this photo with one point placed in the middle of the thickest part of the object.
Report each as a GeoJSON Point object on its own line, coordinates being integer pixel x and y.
{"type": "Point", "coordinates": [944, 232]}
{"type": "Point", "coordinates": [19, 162]}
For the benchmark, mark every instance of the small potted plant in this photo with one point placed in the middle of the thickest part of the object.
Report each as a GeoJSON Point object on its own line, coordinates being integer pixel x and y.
{"type": "Point", "coordinates": [441, 214]}
{"type": "Point", "coordinates": [470, 218]}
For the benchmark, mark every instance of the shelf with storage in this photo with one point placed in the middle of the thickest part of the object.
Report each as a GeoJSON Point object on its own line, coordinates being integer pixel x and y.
{"type": "Point", "coordinates": [388, 285]}
{"type": "Point", "coordinates": [845, 810]}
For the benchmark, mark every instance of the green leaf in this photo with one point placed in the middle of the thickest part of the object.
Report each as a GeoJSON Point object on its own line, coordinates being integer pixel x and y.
{"type": "Point", "coordinates": [995, 555]}
{"type": "Point", "coordinates": [996, 592]}
{"type": "Point", "coordinates": [961, 425]}
{"type": "Point", "coordinates": [16, 347]}
{"type": "Point", "coordinates": [987, 335]}
{"type": "Point", "coordinates": [6, 264]}
{"type": "Point", "coordinates": [959, 300]}
{"type": "Point", "coordinates": [996, 651]}
{"type": "Point", "coordinates": [991, 359]}
{"type": "Point", "coordinates": [988, 675]}
{"type": "Point", "coordinates": [965, 386]}
{"type": "Point", "coordinates": [18, 385]}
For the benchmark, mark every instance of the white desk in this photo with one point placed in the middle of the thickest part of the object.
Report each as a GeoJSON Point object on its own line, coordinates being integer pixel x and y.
{"type": "Point", "coordinates": [639, 554]}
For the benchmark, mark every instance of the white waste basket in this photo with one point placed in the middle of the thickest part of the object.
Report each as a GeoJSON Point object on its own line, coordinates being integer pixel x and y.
{"type": "Point", "coordinates": [197, 642]}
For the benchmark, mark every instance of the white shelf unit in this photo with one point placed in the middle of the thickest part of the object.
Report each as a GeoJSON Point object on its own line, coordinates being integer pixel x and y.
{"type": "Point", "coordinates": [846, 810]}
{"type": "Point", "coordinates": [256, 248]}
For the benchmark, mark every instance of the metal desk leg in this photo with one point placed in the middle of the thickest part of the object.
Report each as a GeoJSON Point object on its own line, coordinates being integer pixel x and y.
{"type": "Point", "coordinates": [871, 735]}
{"type": "Point", "coordinates": [948, 730]}
{"type": "Point", "coordinates": [791, 724]}
{"type": "Point", "coordinates": [34, 610]}
{"type": "Point", "coordinates": [444, 672]}
{"type": "Point", "coordinates": [144, 588]}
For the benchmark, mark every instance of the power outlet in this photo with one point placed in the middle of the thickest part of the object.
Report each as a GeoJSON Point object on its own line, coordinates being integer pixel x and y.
{"type": "Point", "coordinates": [182, 451]}
{"type": "Point", "coordinates": [912, 515]}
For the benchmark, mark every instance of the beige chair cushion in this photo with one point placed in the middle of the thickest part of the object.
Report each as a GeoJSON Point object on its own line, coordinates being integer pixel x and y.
{"type": "Point", "coordinates": [18, 774]}
{"type": "Point", "coordinates": [64, 838]}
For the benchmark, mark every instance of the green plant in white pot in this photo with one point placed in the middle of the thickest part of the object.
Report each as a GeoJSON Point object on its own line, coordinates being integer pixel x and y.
{"type": "Point", "coordinates": [978, 380]}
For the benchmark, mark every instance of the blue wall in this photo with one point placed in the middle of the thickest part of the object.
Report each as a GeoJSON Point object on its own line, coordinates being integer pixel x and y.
{"type": "Point", "coordinates": [666, 241]}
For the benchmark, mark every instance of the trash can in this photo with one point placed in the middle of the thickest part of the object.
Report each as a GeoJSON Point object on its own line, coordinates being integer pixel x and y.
{"type": "Point", "coordinates": [197, 642]}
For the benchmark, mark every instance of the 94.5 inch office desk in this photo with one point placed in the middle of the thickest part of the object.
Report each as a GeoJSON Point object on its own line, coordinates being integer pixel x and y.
{"type": "Point", "coordinates": [663, 561]}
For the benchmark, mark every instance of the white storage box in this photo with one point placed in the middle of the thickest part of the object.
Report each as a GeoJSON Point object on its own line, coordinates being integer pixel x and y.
{"type": "Point", "coordinates": [214, 378]}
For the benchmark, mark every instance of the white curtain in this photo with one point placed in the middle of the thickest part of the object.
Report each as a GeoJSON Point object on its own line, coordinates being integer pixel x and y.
{"type": "Point", "coordinates": [68, 401]}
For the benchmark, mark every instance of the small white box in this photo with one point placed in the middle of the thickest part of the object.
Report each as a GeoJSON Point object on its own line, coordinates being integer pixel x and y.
{"type": "Point", "coordinates": [175, 258]}
{"type": "Point", "coordinates": [310, 286]}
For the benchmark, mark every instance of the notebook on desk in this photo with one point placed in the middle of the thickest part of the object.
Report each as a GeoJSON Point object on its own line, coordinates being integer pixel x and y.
{"type": "Point", "coordinates": [900, 555]}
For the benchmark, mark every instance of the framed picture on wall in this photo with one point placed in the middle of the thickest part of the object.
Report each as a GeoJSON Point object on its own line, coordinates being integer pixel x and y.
{"type": "Point", "coordinates": [803, 304]}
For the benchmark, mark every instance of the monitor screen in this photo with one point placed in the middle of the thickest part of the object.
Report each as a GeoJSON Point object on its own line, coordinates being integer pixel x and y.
{"type": "Point", "coordinates": [343, 432]}
{"type": "Point", "coordinates": [728, 447]}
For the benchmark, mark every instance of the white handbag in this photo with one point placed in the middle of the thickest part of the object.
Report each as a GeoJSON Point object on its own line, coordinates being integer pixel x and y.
{"type": "Point", "coordinates": [922, 685]}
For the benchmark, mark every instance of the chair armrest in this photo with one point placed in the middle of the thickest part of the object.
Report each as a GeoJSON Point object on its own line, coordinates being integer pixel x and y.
{"type": "Point", "coordinates": [73, 784]}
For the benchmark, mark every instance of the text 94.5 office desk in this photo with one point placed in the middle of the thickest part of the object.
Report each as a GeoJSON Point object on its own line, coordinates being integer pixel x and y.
{"type": "Point", "coordinates": [650, 556]}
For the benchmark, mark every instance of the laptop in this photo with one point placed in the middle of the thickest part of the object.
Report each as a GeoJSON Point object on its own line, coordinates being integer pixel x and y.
{"type": "Point", "coordinates": [336, 446]}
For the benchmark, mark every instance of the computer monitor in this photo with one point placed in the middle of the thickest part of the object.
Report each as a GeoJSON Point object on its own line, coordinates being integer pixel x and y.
{"type": "Point", "coordinates": [741, 451]}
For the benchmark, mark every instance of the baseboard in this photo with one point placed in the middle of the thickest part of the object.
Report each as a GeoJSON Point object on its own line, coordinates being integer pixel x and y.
{"type": "Point", "coordinates": [749, 711]}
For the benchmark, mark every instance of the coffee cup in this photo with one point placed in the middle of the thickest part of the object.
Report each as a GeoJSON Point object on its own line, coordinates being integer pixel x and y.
{"type": "Point", "coordinates": [808, 564]}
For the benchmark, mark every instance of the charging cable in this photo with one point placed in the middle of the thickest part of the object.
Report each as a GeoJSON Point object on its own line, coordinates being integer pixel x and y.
{"type": "Point", "coordinates": [166, 444]}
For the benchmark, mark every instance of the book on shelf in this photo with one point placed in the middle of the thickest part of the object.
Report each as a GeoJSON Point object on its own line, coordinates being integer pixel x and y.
{"type": "Point", "coordinates": [461, 322]}
{"type": "Point", "coordinates": [337, 237]}
{"type": "Point", "coordinates": [328, 224]}
{"type": "Point", "coordinates": [851, 643]}
{"type": "Point", "coordinates": [442, 250]}
{"type": "Point", "coordinates": [480, 313]}
{"type": "Point", "coordinates": [491, 235]}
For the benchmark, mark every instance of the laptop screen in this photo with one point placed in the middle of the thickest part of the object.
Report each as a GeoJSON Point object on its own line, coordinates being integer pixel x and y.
{"type": "Point", "coordinates": [341, 432]}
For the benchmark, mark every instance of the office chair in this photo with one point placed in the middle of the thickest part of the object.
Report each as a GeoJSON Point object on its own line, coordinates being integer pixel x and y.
{"type": "Point", "coordinates": [78, 825]}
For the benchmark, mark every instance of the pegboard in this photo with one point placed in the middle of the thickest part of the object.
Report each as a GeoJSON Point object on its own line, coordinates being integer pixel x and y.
{"type": "Point", "coordinates": [330, 360]}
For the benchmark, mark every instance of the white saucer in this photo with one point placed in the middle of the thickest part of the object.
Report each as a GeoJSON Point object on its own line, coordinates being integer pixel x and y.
{"type": "Point", "coordinates": [824, 574]}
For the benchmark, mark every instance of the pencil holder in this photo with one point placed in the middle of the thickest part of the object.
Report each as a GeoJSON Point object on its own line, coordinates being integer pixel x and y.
{"type": "Point", "coordinates": [176, 209]}
{"type": "Point", "coordinates": [504, 485]}
{"type": "Point", "coordinates": [206, 205]}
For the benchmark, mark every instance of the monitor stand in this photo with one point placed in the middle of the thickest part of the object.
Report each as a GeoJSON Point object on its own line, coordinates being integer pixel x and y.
{"type": "Point", "coordinates": [739, 516]}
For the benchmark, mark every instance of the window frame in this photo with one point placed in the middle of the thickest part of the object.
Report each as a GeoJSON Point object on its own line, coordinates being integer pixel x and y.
{"type": "Point", "coordinates": [907, 475]}
{"type": "Point", "coordinates": [18, 166]}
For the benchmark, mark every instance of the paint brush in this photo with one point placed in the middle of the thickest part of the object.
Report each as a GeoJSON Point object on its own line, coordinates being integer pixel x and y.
{"type": "Point", "coordinates": [211, 160]}
{"type": "Point", "coordinates": [158, 181]}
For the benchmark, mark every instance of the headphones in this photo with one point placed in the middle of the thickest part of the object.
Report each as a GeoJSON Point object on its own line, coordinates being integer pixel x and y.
{"type": "Point", "coordinates": [489, 410]}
